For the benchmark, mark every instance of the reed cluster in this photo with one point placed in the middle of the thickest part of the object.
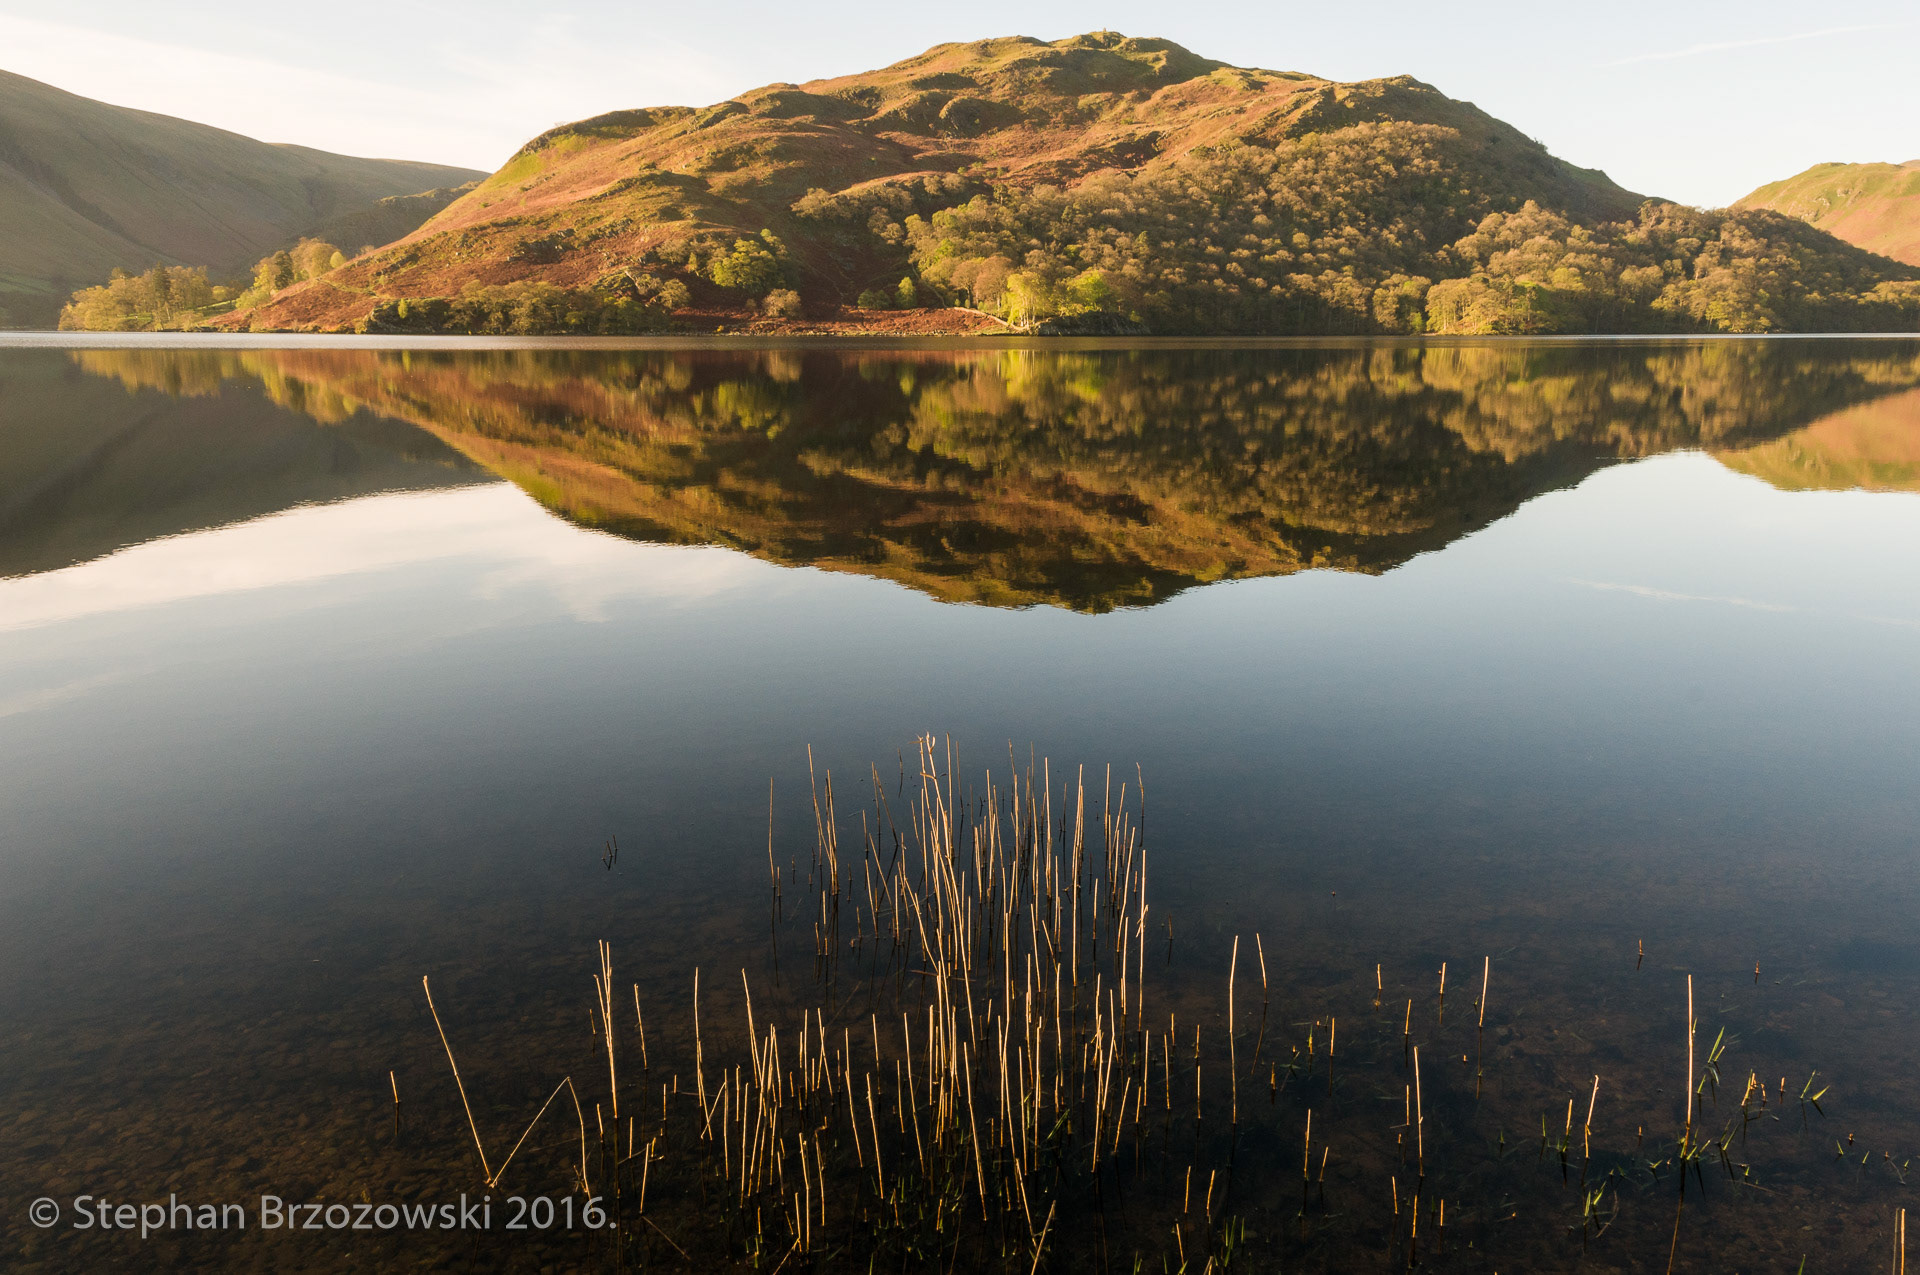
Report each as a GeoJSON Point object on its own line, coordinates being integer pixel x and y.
{"type": "Point", "coordinates": [976, 1077]}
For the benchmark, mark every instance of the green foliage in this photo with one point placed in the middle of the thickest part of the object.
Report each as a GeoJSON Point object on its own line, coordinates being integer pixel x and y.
{"type": "Point", "coordinates": [1673, 269]}
{"type": "Point", "coordinates": [1345, 231]}
{"type": "Point", "coordinates": [1238, 238]}
{"type": "Point", "coordinates": [524, 309]}
{"type": "Point", "coordinates": [165, 297]}
{"type": "Point", "coordinates": [307, 259]}
{"type": "Point", "coordinates": [906, 294]}
{"type": "Point", "coordinates": [875, 299]}
{"type": "Point", "coordinates": [122, 187]}
{"type": "Point", "coordinates": [651, 289]}
{"type": "Point", "coordinates": [755, 267]}
{"type": "Point", "coordinates": [892, 200]}
{"type": "Point", "coordinates": [312, 258]}
{"type": "Point", "coordinates": [274, 273]}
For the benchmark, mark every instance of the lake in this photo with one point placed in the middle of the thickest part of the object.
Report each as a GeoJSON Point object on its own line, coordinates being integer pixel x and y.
{"type": "Point", "coordinates": [1585, 669]}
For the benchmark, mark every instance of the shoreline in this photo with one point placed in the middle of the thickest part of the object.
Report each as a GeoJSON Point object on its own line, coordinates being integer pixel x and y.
{"type": "Point", "coordinates": [28, 339]}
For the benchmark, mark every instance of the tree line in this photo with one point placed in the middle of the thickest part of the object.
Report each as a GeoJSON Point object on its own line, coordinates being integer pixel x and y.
{"type": "Point", "coordinates": [173, 298]}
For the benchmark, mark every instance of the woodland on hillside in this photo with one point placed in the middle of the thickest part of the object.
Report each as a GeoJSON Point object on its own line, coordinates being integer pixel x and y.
{"type": "Point", "coordinates": [1350, 233]}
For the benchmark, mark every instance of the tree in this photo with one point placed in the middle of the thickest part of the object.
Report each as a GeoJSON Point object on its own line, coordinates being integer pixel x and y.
{"type": "Point", "coordinates": [159, 296]}
{"type": "Point", "coordinates": [749, 267]}
{"type": "Point", "coordinates": [274, 272]}
{"type": "Point", "coordinates": [312, 258]}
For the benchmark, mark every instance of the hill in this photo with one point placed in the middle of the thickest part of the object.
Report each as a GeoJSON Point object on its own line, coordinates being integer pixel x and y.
{"type": "Point", "coordinates": [369, 226]}
{"type": "Point", "coordinates": [836, 168]}
{"type": "Point", "coordinates": [86, 187]}
{"type": "Point", "coordinates": [1875, 206]}
{"type": "Point", "coordinates": [1098, 184]}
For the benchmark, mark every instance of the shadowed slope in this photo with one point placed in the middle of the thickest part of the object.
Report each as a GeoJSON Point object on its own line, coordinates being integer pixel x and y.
{"type": "Point", "coordinates": [90, 465]}
{"type": "Point", "coordinates": [86, 187]}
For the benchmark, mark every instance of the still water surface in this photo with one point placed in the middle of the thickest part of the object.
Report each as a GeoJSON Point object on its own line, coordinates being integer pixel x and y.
{"type": "Point", "coordinates": [323, 669]}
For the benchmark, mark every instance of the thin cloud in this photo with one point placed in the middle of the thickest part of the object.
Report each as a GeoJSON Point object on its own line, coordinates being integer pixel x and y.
{"type": "Point", "coordinates": [1668, 595]}
{"type": "Point", "coordinates": [53, 696]}
{"type": "Point", "coordinates": [1747, 604]}
{"type": "Point", "coordinates": [1722, 46]}
{"type": "Point", "coordinates": [469, 108]}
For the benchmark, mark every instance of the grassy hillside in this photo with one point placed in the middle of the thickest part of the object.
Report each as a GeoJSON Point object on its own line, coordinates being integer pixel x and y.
{"type": "Point", "coordinates": [1876, 206]}
{"type": "Point", "coordinates": [86, 187]}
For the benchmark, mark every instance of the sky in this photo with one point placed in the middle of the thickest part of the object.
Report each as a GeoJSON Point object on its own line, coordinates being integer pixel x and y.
{"type": "Point", "coordinates": [1690, 100]}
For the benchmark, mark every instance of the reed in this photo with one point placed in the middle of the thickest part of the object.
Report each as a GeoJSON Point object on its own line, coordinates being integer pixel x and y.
{"type": "Point", "coordinates": [1233, 1056]}
{"type": "Point", "coordinates": [485, 1172]}
{"type": "Point", "coordinates": [1687, 1090]}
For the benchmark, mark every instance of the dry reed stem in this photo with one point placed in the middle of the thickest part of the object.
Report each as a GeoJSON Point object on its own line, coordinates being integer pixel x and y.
{"type": "Point", "coordinates": [1233, 1063]}
{"type": "Point", "coordinates": [1687, 1134]}
{"type": "Point", "coordinates": [1586, 1136]}
{"type": "Point", "coordinates": [1419, 1115]}
{"type": "Point", "coordinates": [1041, 1247]}
{"type": "Point", "coordinates": [485, 1172]}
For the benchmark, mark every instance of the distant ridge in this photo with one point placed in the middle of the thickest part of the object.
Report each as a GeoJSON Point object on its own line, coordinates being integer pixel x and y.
{"type": "Point", "coordinates": [86, 187]}
{"type": "Point", "coordinates": [1874, 206]}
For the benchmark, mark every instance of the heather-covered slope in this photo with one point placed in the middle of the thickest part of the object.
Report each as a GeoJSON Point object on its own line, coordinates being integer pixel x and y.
{"type": "Point", "coordinates": [1875, 206]}
{"type": "Point", "coordinates": [86, 187]}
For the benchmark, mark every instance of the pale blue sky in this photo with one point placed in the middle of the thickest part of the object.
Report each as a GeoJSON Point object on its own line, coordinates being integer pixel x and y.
{"type": "Point", "coordinates": [1697, 101]}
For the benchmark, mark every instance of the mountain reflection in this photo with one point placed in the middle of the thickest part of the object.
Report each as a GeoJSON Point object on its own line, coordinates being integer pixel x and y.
{"type": "Point", "coordinates": [1088, 480]}
{"type": "Point", "coordinates": [87, 468]}
{"type": "Point", "coordinates": [1873, 447]}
